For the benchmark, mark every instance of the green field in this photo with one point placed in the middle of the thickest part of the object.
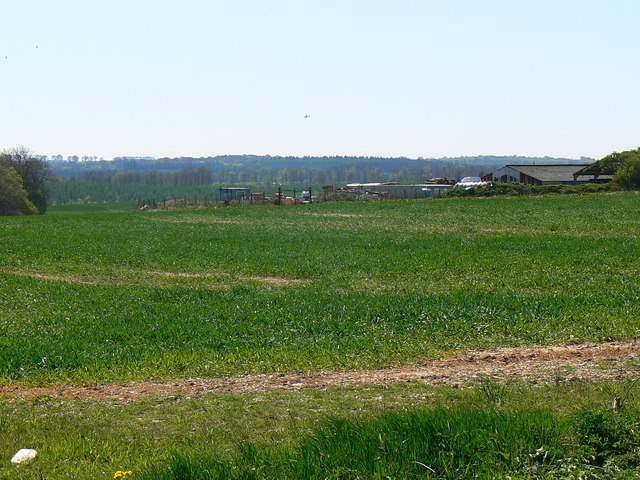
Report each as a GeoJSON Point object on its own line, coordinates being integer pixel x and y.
{"type": "Point", "coordinates": [101, 293]}
{"type": "Point", "coordinates": [132, 295]}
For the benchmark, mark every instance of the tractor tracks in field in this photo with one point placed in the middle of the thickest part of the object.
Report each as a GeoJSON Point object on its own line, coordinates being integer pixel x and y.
{"type": "Point", "coordinates": [532, 365]}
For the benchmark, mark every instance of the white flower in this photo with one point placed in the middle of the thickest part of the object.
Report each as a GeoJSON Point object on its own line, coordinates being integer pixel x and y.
{"type": "Point", "coordinates": [24, 455]}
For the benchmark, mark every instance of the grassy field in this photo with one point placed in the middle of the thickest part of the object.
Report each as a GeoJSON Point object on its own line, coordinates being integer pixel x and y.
{"type": "Point", "coordinates": [101, 293]}
{"type": "Point", "coordinates": [96, 297]}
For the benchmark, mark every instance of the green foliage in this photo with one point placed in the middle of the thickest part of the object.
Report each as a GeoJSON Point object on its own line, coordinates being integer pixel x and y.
{"type": "Point", "coordinates": [34, 174]}
{"type": "Point", "coordinates": [628, 176]}
{"type": "Point", "coordinates": [603, 434]}
{"type": "Point", "coordinates": [610, 164]}
{"type": "Point", "coordinates": [517, 189]}
{"type": "Point", "coordinates": [14, 199]}
{"type": "Point", "coordinates": [625, 167]}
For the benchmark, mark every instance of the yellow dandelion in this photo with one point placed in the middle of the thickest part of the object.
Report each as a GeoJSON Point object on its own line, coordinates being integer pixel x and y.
{"type": "Point", "coordinates": [123, 474]}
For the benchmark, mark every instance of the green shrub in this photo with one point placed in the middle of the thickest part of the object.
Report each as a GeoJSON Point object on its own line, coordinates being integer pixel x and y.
{"type": "Point", "coordinates": [604, 435]}
{"type": "Point", "coordinates": [518, 189]}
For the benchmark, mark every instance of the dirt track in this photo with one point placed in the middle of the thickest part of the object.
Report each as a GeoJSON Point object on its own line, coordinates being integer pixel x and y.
{"type": "Point", "coordinates": [586, 362]}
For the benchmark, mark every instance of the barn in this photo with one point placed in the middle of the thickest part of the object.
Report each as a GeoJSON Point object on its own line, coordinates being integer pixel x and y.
{"type": "Point", "coordinates": [570, 174]}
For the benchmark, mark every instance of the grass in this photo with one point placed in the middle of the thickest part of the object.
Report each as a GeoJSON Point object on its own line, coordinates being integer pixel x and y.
{"type": "Point", "coordinates": [90, 208]}
{"type": "Point", "coordinates": [441, 443]}
{"type": "Point", "coordinates": [104, 296]}
{"type": "Point", "coordinates": [103, 293]}
{"type": "Point", "coordinates": [436, 444]}
{"type": "Point", "coordinates": [355, 432]}
{"type": "Point", "coordinates": [93, 294]}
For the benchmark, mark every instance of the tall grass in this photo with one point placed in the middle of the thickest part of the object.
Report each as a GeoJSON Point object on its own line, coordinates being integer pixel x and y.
{"type": "Point", "coordinates": [439, 444]}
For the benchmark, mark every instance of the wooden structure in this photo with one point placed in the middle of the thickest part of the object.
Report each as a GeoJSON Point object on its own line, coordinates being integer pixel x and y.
{"type": "Point", "coordinates": [593, 171]}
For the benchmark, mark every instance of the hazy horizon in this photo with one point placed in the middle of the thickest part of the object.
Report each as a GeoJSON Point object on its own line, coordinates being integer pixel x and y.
{"type": "Point", "coordinates": [148, 157]}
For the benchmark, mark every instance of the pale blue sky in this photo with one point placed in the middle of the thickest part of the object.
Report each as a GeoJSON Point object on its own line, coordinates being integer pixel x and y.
{"type": "Point", "coordinates": [390, 78]}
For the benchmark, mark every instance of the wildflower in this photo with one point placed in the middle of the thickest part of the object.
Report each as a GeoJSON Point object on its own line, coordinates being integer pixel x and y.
{"type": "Point", "coordinates": [24, 455]}
{"type": "Point", "coordinates": [123, 474]}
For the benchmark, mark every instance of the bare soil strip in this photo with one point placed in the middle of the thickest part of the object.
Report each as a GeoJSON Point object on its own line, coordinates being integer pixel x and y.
{"type": "Point", "coordinates": [565, 363]}
{"type": "Point", "coordinates": [340, 215]}
{"type": "Point", "coordinates": [62, 278]}
{"type": "Point", "coordinates": [97, 281]}
{"type": "Point", "coordinates": [223, 221]}
{"type": "Point", "coordinates": [272, 280]}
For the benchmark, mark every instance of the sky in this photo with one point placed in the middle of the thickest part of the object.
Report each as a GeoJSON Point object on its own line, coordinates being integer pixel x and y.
{"type": "Point", "coordinates": [414, 78]}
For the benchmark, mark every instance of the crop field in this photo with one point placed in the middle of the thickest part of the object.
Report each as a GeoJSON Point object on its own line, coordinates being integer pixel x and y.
{"type": "Point", "coordinates": [128, 296]}
{"type": "Point", "coordinates": [93, 294]}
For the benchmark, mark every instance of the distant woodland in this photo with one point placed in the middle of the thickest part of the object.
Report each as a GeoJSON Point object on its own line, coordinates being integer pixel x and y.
{"type": "Point", "coordinates": [133, 179]}
{"type": "Point", "coordinates": [244, 169]}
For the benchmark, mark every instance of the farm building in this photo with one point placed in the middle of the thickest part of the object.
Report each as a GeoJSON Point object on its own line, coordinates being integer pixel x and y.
{"type": "Point", "coordinates": [571, 174]}
{"type": "Point", "coordinates": [395, 191]}
{"type": "Point", "coordinates": [234, 193]}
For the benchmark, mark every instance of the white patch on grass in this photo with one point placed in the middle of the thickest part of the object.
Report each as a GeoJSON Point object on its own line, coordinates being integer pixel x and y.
{"type": "Point", "coordinates": [24, 455]}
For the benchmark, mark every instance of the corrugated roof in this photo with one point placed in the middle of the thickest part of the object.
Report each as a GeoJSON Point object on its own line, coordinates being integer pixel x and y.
{"type": "Point", "coordinates": [550, 173]}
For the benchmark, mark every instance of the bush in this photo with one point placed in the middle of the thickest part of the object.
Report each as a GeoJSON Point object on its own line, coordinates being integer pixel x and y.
{"type": "Point", "coordinates": [628, 176]}
{"type": "Point", "coordinates": [518, 189]}
{"type": "Point", "coordinates": [624, 166]}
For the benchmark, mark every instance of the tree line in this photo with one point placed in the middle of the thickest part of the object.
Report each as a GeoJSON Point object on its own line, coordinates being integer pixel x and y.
{"type": "Point", "coordinates": [137, 171]}
{"type": "Point", "coordinates": [23, 183]}
{"type": "Point", "coordinates": [265, 176]}
{"type": "Point", "coordinates": [26, 180]}
{"type": "Point", "coordinates": [266, 169]}
{"type": "Point", "coordinates": [187, 176]}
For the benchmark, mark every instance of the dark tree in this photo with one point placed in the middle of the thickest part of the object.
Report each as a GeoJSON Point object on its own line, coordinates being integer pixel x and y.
{"type": "Point", "coordinates": [13, 197]}
{"type": "Point", "coordinates": [33, 172]}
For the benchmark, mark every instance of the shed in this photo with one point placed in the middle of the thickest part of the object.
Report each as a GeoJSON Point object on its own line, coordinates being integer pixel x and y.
{"type": "Point", "coordinates": [234, 193]}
